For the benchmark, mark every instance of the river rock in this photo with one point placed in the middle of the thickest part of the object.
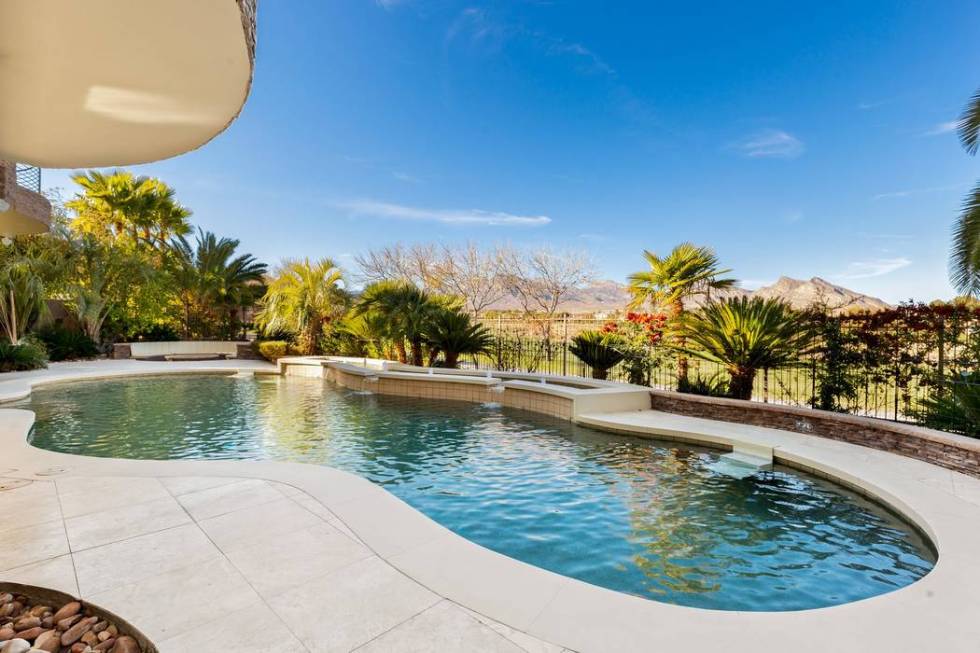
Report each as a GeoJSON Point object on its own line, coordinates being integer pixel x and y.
{"type": "Point", "coordinates": [6, 633]}
{"type": "Point", "coordinates": [126, 644]}
{"type": "Point", "coordinates": [27, 622]}
{"type": "Point", "coordinates": [30, 633]}
{"type": "Point", "coordinates": [67, 610]}
{"type": "Point", "coordinates": [68, 622]}
{"type": "Point", "coordinates": [49, 641]}
{"type": "Point", "coordinates": [106, 645]}
{"type": "Point", "coordinates": [16, 646]}
{"type": "Point", "coordinates": [74, 633]}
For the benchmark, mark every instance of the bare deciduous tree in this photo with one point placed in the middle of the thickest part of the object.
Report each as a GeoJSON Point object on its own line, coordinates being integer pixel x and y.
{"type": "Point", "coordinates": [416, 264]}
{"type": "Point", "coordinates": [542, 279]}
{"type": "Point", "coordinates": [472, 273]}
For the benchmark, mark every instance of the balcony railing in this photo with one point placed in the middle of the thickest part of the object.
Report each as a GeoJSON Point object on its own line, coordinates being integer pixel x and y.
{"type": "Point", "coordinates": [29, 177]}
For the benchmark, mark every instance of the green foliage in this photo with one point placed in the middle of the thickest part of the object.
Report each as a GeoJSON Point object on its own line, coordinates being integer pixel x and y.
{"type": "Point", "coordinates": [273, 350]}
{"type": "Point", "coordinates": [715, 385]}
{"type": "Point", "coordinates": [29, 354]}
{"type": "Point", "coordinates": [955, 408]}
{"type": "Point", "coordinates": [688, 270]}
{"type": "Point", "coordinates": [837, 378]}
{"type": "Point", "coordinates": [304, 298]}
{"type": "Point", "coordinates": [400, 312]}
{"type": "Point", "coordinates": [746, 335]}
{"type": "Point", "coordinates": [600, 351]}
{"type": "Point", "coordinates": [213, 285]}
{"type": "Point", "coordinates": [138, 211]}
{"type": "Point", "coordinates": [64, 343]}
{"type": "Point", "coordinates": [964, 260]}
{"type": "Point", "coordinates": [452, 333]}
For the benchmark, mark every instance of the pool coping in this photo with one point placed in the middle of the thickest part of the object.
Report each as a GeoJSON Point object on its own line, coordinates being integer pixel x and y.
{"type": "Point", "coordinates": [935, 613]}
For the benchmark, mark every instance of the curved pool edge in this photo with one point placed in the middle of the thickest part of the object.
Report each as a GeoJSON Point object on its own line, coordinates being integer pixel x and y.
{"type": "Point", "coordinates": [935, 612]}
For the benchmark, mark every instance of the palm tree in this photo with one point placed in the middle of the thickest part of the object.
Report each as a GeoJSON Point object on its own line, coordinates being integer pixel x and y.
{"type": "Point", "coordinates": [964, 262]}
{"type": "Point", "coordinates": [688, 271]}
{"type": "Point", "coordinates": [452, 332]}
{"type": "Point", "coordinates": [209, 277]}
{"type": "Point", "coordinates": [600, 351]}
{"type": "Point", "coordinates": [303, 298]}
{"type": "Point", "coordinates": [407, 310]}
{"type": "Point", "coordinates": [141, 210]}
{"type": "Point", "coordinates": [747, 335]}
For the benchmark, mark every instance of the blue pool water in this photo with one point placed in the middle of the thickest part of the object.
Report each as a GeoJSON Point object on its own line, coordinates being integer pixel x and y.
{"type": "Point", "coordinates": [639, 516]}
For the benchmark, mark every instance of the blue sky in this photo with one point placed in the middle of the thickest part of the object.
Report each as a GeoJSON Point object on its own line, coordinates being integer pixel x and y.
{"type": "Point", "coordinates": [803, 139]}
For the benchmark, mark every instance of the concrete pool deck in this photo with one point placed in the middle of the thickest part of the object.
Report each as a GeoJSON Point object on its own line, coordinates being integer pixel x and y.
{"type": "Point", "coordinates": [265, 556]}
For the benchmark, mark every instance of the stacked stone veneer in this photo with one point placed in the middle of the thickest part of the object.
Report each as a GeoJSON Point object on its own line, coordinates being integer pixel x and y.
{"type": "Point", "coordinates": [434, 388]}
{"type": "Point", "coordinates": [23, 200]}
{"type": "Point", "coordinates": [954, 452]}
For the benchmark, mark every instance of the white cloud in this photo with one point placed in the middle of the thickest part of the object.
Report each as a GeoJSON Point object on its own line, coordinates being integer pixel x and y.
{"type": "Point", "coordinates": [918, 191]}
{"type": "Point", "coordinates": [389, 4]}
{"type": "Point", "coordinates": [770, 143]}
{"type": "Point", "coordinates": [943, 128]}
{"type": "Point", "coordinates": [446, 216]}
{"type": "Point", "coordinates": [873, 268]}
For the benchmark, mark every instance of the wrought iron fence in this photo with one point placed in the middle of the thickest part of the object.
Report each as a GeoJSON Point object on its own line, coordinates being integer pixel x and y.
{"type": "Point", "coordinates": [887, 374]}
{"type": "Point", "coordinates": [28, 177]}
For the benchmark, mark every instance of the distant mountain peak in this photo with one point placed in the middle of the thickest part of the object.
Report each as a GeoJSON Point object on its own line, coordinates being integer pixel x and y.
{"type": "Point", "coordinates": [605, 295]}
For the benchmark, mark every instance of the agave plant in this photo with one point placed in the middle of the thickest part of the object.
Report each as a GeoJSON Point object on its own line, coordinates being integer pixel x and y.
{"type": "Point", "coordinates": [957, 409]}
{"type": "Point", "coordinates": [747, 335]}
{"type": "Point", "coordinates": [600, 351]}
{"type": "Point", "coordinates": [452, 333]}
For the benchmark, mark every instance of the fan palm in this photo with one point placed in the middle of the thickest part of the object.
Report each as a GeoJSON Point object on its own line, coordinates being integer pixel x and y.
{"type": "Point", "coordinates": [964, 263]}
{"type": "Point", "coordinates": [747, 335]}
{"type": "Point", "coordinates": [406, 309]}
{"type": "Point", "coordinates": [600, 351]}
{"type": "Point", "coordinates": [208, 276]}
{"type": "Point", "coordinates": [303, 298]}
{"type": "Point", "coordinates": [452, 333]}
{"type": "Point", "coordinates": [687, 271]}
{"type": "Point", "coordinates": [142, 210]}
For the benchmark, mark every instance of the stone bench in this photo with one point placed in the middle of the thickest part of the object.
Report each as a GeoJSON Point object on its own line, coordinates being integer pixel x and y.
{"type": "Point", "coordinates": [184, 350]}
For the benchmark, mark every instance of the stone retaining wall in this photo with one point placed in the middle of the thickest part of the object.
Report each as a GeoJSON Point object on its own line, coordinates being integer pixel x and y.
{"type": "Point", "coordinates": [954, 452]}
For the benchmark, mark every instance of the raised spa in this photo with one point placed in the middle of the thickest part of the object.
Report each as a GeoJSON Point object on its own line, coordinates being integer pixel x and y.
{"type": "Point", "coordinates": [639, 516]}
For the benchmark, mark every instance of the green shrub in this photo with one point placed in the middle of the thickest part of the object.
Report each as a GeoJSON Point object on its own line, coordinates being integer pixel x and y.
{"type": "Point", "coordinates": [955, 409]}
{"type": "Point", "coordinates": [64, 343]}
{"type": "Point", "coordinates": [712, 386]}
{"type": "Point", "coordinates": [273, 350]}
{"type": "Point", "coordinates": [28, 355]}
{"type": "Point", "coordinates": [600, 351]}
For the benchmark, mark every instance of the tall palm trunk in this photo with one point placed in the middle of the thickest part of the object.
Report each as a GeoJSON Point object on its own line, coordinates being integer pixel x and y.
{"type": "Point", "coordinates": [400, 350]}
{"type": "Point", "coordinates": [418, 356]}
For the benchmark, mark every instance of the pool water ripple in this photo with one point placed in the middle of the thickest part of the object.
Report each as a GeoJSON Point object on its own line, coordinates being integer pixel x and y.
{"type": "Point", "coordinates": [639, 516]}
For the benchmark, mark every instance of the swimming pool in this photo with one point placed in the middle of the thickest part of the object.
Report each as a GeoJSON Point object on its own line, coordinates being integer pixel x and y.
{"type": "Point", "coordinates": [638, 516]}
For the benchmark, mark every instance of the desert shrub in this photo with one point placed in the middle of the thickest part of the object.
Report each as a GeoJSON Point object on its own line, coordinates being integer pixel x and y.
{"type": "Point", "coordinates": [65, 343]}
{"type": "Point", "coordinates": [273, 350]}
{"type": "Point", "coordinates": [29, 354]}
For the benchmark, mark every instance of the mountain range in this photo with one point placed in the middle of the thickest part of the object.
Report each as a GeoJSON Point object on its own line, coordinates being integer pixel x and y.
{"type": "Point", "coordinates": [605, 296]}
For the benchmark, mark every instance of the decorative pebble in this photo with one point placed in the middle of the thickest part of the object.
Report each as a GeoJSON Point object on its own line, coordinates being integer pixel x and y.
{"type": "Point", "coordinates": [26, 627]}
{"type": "Point", "coordinates": [16, 646]}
